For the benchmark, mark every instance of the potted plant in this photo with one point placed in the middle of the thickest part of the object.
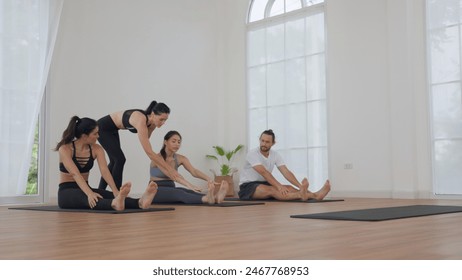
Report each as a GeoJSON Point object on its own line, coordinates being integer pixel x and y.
{"type": "Point", "coordinates": [224, 159]}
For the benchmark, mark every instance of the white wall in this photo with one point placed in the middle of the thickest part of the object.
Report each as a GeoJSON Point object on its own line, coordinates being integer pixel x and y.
{"type": "Point", "coordinates": [113, 55]}
{"type": "Point", "coordinates": [378, 98]}
{"type": "Point", "coordinates": [359, 125]}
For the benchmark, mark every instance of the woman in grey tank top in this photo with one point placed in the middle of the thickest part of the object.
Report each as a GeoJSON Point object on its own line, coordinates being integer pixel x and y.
{"type": "Point", "coordinates": [183, 190]}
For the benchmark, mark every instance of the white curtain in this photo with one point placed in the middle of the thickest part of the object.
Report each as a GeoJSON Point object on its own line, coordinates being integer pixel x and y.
{"type": "Point", "coordinates": [28, 31]}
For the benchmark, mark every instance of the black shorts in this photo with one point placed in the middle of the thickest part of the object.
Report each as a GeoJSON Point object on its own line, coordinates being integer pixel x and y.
{"type": "Point", "coordinates": [246, 190]}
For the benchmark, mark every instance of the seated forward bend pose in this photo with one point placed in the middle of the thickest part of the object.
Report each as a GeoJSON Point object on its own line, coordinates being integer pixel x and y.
{"type": "Point", "coordinates": [136, 121]}
{"type": "Point", "coordinates": [257, 182]}
{"type": "Point", "coordinates": [168, 191]}
{"type": "Point", "coordinates": [77, 153]}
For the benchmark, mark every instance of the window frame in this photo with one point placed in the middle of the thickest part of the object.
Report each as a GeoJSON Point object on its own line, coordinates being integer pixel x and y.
{"type": "Point", "coordinates": [438, 188]}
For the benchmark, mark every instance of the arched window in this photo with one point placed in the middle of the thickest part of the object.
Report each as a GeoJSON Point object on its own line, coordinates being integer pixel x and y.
{"type": "Point", "coordinates": [260, 9]}
{"type": "Point", "coordinates": [286, 83]}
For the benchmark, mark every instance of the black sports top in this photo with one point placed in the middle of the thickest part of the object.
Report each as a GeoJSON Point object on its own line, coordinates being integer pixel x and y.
{"type": "Point", "coordinates": [126, 117]}
{"type": "Point", "coordinates": [84, 164]}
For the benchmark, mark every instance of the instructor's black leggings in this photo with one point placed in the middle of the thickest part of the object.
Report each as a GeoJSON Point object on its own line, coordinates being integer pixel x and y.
{"type": "Point", "coordinates": [70, 196]}
{"type": "Point", "coordinates": [110, 140]}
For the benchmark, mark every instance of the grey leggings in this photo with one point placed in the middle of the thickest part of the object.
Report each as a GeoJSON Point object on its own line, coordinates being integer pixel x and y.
{"type": "Point", "coordinates": [168, 193]}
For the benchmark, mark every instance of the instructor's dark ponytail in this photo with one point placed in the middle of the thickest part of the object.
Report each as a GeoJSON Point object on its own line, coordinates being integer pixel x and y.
{"type": "Point", "coordinates": [157, 108]}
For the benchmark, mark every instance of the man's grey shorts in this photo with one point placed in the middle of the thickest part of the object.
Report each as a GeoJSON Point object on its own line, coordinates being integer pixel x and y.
{"type": "Point", "coordinates": [246, 190]}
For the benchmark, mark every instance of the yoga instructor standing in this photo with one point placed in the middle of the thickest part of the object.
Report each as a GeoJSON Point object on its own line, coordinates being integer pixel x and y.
{"type": "Point", "coordinates": [136, 121]}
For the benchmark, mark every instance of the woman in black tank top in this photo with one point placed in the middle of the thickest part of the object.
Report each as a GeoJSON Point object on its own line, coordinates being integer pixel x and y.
{"type": "Point", "coordinates": [137, 121]}
{"type": "Point", "coordinates": [77, 152]}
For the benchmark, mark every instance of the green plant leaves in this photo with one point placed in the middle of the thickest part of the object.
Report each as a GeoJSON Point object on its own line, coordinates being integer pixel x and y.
{"type": "Point", "coordinates": [238, 148]}
{"type": "Point", "coordinates": [212, 157]}
{"type": "Point", "coordinates": [229, 155]}
{"type": "Point", "coordinates": [225, 167]}
{"type": "Point", "coordinates": [219, 150]}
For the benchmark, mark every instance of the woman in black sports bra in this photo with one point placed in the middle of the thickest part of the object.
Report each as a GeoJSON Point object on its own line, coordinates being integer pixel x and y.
{"type": "Point", "coordinates": [77, 153]}
{"type": "Point", "coordinates": [136, 121]}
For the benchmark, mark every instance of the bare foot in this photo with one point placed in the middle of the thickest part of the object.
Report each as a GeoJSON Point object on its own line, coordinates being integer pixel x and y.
{"type": "Point", "coordinates": [319, 195]}
{"type": "Point", "coordinates": [305, 182]}
{"type": "Point", "coordinates": [148, 195]}
{"type": "Point", "coordinates": [304, 190]}
{"type": "Point", "coordinates": [220, 197]}
{"type": "Point", "coordinates": [209, 197]}
{"type": "Point", "coordinates": [118, 203]}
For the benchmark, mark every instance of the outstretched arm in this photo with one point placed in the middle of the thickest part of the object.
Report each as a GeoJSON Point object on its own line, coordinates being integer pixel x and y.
{"type": "Point", "coordinates": [189, 185]}
{"type": "Point", "coordinates": [192, 170]}
{"type": "Point", "coordinates": [143, 135]}
{"type": "Point", "coordinates": [289, 176]}
{"type": "Point", "coordinates": [270, 178]}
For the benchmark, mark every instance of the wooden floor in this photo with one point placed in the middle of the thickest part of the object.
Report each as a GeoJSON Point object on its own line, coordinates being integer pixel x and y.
{"type": "Point", "coordinates": [239, 233]}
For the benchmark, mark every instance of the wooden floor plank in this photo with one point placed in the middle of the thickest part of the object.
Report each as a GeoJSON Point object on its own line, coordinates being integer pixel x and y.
{"type": "Point", "coordinates": [251, 232]}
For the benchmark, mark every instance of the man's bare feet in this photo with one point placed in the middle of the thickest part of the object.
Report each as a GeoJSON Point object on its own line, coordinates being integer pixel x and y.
{"type": "Point", "coordinates": [220, 196]}
{"type": "Point", "coordinates": [118, 203]}
{"type": "Point", "coordinates": [304, 190]}
{"type": "Point", "coordinates": [209, 197]}
{"type": "Point", "coordinates": [319, 195]}
{"type": "Point", "coordinates": [148, 195]}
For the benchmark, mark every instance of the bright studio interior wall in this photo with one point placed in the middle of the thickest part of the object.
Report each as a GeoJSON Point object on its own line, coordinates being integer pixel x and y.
{"type": "Point", "coordinates": [113, 55]}
{"type": "Point", "coordinates": [116, 55]}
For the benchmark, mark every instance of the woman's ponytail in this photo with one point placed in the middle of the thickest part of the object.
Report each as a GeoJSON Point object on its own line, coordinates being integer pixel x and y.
{"type": "Point", "coordinates": [157, 108]}
{"type": "Point", "coordinates": [75, 129]}
{"type": "Point", "coordinates": [69, 132]}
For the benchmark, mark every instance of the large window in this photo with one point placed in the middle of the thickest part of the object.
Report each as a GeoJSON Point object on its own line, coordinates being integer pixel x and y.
{"type": "Point", "coordinates": [444, 21]}
{"type": "Point", "coordinates": [286, 83]}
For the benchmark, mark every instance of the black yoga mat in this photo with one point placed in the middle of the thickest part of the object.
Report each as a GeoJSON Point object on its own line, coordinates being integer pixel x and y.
{"type": "Point", "coordinates": [223, 204]}
{"type": "Point", "coordinates": [56, 208]}
{"type": "Point", "coordinates": [383, 214]}
{"type": "Point", "coordinates": [299, 201]}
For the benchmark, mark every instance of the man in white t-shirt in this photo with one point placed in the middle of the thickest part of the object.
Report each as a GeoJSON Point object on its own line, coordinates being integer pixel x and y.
{"type": "Point", "coordinates": [257, 182]}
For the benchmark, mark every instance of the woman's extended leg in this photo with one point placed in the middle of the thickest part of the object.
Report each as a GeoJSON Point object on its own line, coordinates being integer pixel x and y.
{"type": "Point", "coordinates": [174, 195]}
